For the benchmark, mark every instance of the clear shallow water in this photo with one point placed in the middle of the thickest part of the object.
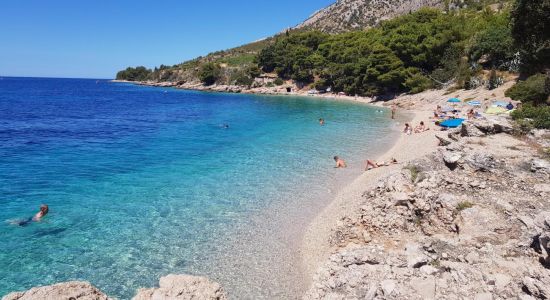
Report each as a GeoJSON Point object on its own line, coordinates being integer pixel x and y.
{"type": "Point", "coordinates": [144, 182]}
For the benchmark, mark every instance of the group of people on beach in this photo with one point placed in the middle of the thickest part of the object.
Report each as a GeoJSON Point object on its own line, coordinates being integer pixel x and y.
{"type": "Point", "coordinates": [371, 164]}
{"type": "Point", "coordinates": [408, 130]}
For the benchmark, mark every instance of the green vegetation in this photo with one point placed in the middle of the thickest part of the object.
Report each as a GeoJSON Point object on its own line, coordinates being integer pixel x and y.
{"type": "Point", "coordinates": [530, 21]}
{"type": "Point", "coordinates": [411, 53]}
{"type": "Point", "coordinates": [415, 172]}
{"type": "Point", "coordinates": [417, 51]}
{"type": "Point", "coordinates": [534, 90]}
{"type": "Point", "coordinates": [134, 74]}
{"type": "Point", "coordinates": [533, 116]}
{"type": "Point", "coordinates": [210, 73]}
{"type": "Point", "coordinates": [464, 205]}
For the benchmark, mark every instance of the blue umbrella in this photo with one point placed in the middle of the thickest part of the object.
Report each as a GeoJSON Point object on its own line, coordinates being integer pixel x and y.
{"type": "Point", "coordinates": [452, 123]}
{"type": "Point", "coordinates": [474, 103]}
{"type": "Point", "coordinates": [454, 100]}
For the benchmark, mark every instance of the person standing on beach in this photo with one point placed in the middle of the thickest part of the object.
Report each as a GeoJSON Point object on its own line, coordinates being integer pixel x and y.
{"type": "Point", "coordinates": [393, 110]}
{"type": "Point", "coordinates": [340, 163]}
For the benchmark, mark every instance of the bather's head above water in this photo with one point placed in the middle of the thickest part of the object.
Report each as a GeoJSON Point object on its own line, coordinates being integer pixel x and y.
{"type": "Point", "coordinates": [44, 209]}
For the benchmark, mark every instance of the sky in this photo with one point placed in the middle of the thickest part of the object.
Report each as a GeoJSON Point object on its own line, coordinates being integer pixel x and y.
{"type": "Point", "coordinates": [97, 38]}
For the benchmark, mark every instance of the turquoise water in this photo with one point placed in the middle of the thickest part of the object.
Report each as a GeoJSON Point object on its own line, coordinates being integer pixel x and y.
{"type": "Point", "coordinates": [143, 182]}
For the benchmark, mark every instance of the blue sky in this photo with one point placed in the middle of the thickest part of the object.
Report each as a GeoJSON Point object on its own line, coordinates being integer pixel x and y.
{"type": "Point", "coordinates": [94, 39]}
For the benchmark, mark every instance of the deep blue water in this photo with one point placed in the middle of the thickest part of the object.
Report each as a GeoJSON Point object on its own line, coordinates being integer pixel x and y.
{"type": "Point", "coordinates": [144, 182]}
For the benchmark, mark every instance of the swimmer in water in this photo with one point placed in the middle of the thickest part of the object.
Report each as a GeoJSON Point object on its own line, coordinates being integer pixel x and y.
{"type": "Point", "coordinates": [340, 163]}
{"type": "Point", "coordinates": [37, 217]}
{"type": "Point", "coordinates": [322, 121]}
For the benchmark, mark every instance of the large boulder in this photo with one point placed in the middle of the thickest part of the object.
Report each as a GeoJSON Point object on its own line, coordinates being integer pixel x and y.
{"type": "Point", "coordinates": [481, 161]}
{"type": "Point", "coordinates": [492, 126]}
{"type": "Point", "coordinates": [78, 290]}
{"type": "Point", "coordinates": [183, 287]}
{"type": "Point", "coordinates": [470, 130]}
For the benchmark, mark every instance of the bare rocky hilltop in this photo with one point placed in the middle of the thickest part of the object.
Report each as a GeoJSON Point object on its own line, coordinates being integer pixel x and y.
{"type": "Point", "coordinates": [346, 15]}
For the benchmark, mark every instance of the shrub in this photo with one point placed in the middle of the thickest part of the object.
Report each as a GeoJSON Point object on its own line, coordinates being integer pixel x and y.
{"type": "Point", "coordinates": [464, 205]}
{"type": "Point", "coordinates": [415, 172]}
{"type": "Point", "coordinates": [134, 74]}
{"type": "Point", "coordinates": [278, 81]}
{"type": "Point", "coordinates": [537, 116]}
{"type": "Point", "coordinates": [240, 78]}
{"type": "Point", "coordinates": [533, 90]}
{"type": "Point", "coordinates": [418, 83]}
{"type": "Point", "coordinates": [210, 73]}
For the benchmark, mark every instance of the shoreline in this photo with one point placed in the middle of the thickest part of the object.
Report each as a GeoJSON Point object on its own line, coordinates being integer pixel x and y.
{"type": "Point", "coordinates": [316, 247]}
{"type": "Point", "coordinates": [260, 91]}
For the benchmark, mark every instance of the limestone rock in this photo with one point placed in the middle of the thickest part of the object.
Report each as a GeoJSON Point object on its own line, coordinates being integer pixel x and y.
{"type": "Point", "coordinates": [481, 161]}
{"type": "Point", "coordinates": [540, 166]}
{"type": "Point", "coordinates": [451, 158]}
{"type": "Point", "coordinates": [424, 287]}
{"type": "Point", "coordinates": [470, 130]}
{"type": "Point", "coordinates": [183, 287]}
{"type": "Point", "coordinates": [78, 290]}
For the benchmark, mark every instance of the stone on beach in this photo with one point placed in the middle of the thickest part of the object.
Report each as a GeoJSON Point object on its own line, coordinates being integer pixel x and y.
{"type": "Point", "coordinates": [183, 287]}
{"type": "Point", "coordinates": [78, 290]}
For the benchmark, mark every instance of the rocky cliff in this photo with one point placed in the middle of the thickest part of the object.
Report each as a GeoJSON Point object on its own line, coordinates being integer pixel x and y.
{"type": "Point", "coordinates": [346, 15]}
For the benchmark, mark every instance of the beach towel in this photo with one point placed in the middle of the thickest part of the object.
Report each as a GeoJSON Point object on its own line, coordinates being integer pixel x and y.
{"type": "Point", "coordinates": [496, 110]}
{"type": "Point", "coordinates": [454, 100]}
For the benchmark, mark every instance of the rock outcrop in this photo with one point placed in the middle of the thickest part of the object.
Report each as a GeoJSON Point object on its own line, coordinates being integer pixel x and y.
{"type": "Point", "coordinates": [345, 15]}
{"type": "Point", "coordinates": [174, 287]}
{"type": "Point", "coordinates": [183, 287]}
{"type": "Point", "coordinates": [77, 290]}
{"type": "Point", "coordinates": [469, 221]}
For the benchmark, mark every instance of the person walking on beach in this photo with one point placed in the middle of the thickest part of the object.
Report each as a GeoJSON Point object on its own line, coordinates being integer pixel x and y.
{"type": "Point", "coordinates": [340, 163]}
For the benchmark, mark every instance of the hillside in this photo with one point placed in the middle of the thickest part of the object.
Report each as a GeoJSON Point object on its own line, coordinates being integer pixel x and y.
{"type": "Point", "coordinates": [346, 15]}
{"type": "Point", "coordinates": [467, 44]}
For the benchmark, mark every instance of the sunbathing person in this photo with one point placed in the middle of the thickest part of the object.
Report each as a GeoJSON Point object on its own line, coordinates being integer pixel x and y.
{"type": "Point", "coordinates": [372, 164]}
{"type": "Point", "coordinates": [421, 128]}
{"type": "Point", "coordinates": [408, 129]}
{"type": "Point", "coordinates": [471, 114]}
{"type": "Point", "coordinates": [340, 163]}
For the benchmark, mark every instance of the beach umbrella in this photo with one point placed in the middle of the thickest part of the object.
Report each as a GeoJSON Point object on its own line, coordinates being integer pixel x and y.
{"type": "Point", "coordinates": [454, 100]}
{"type": "Point", "coordinates": [452, 123]}
{"type": "Point", "coordinates": [496, 110]}
{"type": "Point", "coordinates": [474, 103]}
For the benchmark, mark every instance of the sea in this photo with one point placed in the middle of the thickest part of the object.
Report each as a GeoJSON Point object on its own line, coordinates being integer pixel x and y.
{"type": "Point", "coordinates": [142, 182]}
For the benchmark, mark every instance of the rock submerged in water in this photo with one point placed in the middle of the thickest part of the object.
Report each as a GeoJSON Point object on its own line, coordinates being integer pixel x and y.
{"type": "Point", "coordinates": [177, 287]}
{"type": "Point", "coordinates": [78, 290]}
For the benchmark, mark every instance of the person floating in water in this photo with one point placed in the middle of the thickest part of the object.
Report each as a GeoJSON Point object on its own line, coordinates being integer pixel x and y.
{"type": "Point", "coordinates": [322, 121]}
{"type": "Point", "coordinates": [340, 163]}
{"type": "Point", "coordinates": [37, 217]}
